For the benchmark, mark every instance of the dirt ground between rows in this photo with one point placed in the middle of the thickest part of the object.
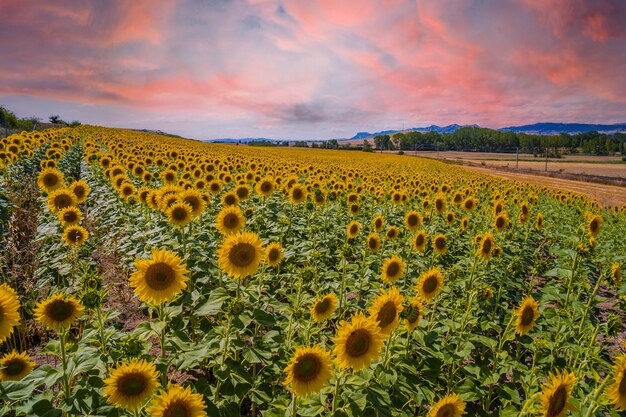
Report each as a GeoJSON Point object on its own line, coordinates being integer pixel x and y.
{"type": "Point", "coordinates": [605, 194]}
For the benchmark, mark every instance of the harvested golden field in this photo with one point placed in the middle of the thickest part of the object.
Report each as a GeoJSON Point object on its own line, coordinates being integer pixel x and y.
{"type": "Point", "coordinates": [145, 275]}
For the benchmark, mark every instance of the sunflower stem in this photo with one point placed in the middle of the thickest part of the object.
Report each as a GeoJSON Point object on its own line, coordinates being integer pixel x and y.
{"type": "Point", "coordinates": [66, 379]}
{"type": "Point", "coordinates": [162, 342]}
{"type": "Point", "coordinates": [588, 306]}
{"type": "Point", "coordinates": [101, 330]}
{"type": "Point", "coordinates": [594, 401]}
{"type": "Point", "coordinates": [294, 405]}
{"type": "Point", "coordinates": [335, 394]}
{"type": "Point", "coordinates": [503, 339]}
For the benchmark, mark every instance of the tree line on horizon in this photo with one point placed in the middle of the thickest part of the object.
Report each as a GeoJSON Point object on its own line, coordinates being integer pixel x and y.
{"type": "Point", "coordinates": [489, 140]}
{"type": "Point", "coordinates": [9, 121]}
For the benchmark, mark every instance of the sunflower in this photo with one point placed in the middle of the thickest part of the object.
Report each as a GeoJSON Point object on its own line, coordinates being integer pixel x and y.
{"type": "Point", "coordinates": [15, 366]}
{"type": "Point", "coordinates": [429, 284]}
{"type": "Point", "coordinates": [464, 223]}
{"type": "Point", "coordinates": [353, 229]}
{"type": "Point", "coordinates": [239, 254]}
{"type": "Point", "coordinates": [449, 406]}
{"type": "Point", "coordinates": [487, 245]}
{"type": "Point", "coordinates": [595, 225]}
{"type": "Point", "coordinates": [617, 391]}
{"type": "Point", "coordinates": [177, 401]}
{"type": "Point", "coordinates": [75, 235]}
{"type": "Point", "coordinates": [357, 343]}
{"type": "Point", "coordinates": [420, 239]}
{"type": "Point", "coordinates": [539, 221]}
{"type": "Point", "coordinates": [527, 314]}
{"type": "Point", "coordinates": [274, 254]}
{"type": "Point", "coordinates": [616, 273]}
{"type": "Point", "coordinates": [69, 216]}
{"type": "Point", "coordinates": [501, 222]}
{"type": "Point", "coordinates": [386, 309]}
{"type": "Point", "coordinates": [324, 307]}
{"type": "Point", "coordinates": [60, 199]}
{"type": "Point", "coordinates": [470, 204]}
{"type": "Point", "coordinates": [555, 394]}
{"type": "Point", "coordinates": [392, 233]}
{"type": "Point", "coordinates": [393, 269]}
{"type": "Point", "coordinates": [179, 214]}
{"type": "Point", "coordinates": [194, 199]}
{"type": "Point", "coordinates": [297, 194]}
{"type": "Point", "coordinates": [373, 242]}
{"type": "Point", "coordinates": [413, 220]}
{"type": "Point", "coordinates": [265, 187]}
{"type": "Point", "coordinates": [378, 223]}
{"type": "Point", "coordinates": [230, 220]}
{"type": "Point", "coordinates": [308, 371]}
{"type": "Point", "coordinates": [58, 311]}
{"type": "Point", "coordinates": [81, 190]}
{"type": "Point", "coordinates": [50, 179]}
{"type": "Point", "coordinates": [414, 313]}
{"type": "Point", "coordinates": [129, 385]}
{"type": "Point", "coordinates": [440, 244]}
{"type": "Point", "coordinates": [440, 203]}
{"type": "Point", "coordinates": [9, 311]}
{"type": "Point", "coordinates": [230, 199]}
{"type": "Point", "coordinates": [159, 279]}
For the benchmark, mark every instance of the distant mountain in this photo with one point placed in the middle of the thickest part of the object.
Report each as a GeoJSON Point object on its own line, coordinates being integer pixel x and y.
{"type": "Point", "coordinates": [432, 128]}
{"type": "Point", "coordinates": [242, 140]}
{"type": "Point", "coordinates": [556, 128]}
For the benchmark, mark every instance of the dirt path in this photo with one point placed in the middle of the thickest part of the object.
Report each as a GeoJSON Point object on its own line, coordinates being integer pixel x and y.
{"type": "Point", "coordinates": [605, 194]}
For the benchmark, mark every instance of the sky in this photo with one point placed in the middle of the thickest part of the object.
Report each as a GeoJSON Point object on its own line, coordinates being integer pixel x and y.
{"type": "Point", "coordinates": [306, 69]}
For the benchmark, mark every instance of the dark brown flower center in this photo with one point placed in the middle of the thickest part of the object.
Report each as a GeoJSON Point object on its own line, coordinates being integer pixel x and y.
{"type": "Point", "coordinates": [273, 255]}
{"type": "Point", "coordinates": [358, 343]}
{"type": "Point", "coordinates": [430, 284]}
{"type": "Point", "coordinates": [50, 180]}
{"type": "Point", "coordinates": [70, 216]}
{"type": "Point", "coordinates": [354, 229]}
{"type": "Point", "coordinates": [241, 255]}
{"type": "Point", "coordinates": [500, 222]}
{"type": "Point", "coordinates": [414, 314]}
{"type": "Point", "coordinates": [387, 314]}
{"type": "Point", "coordinates": [132, 384]}
{"type": "Point", "coordinates": [528, 316]}
{"type": "Point", "coordinates": [372, 243]}
{"type": "Point", "coordinates": [59, 310]}
{"type": "Point", "coordinates": [297, 194]}
{"type": "Point", "coordinates": [160, 276]}
{"type": "Point", "coordinates": [412, 220]}
{"type": "Point", "coordinates": [266, 186]}
{"type": "Point", "coordinates": [75, 236]}
{"type": "Point", "coordinates": [558, 400]}
{"type": "Point", "coordinates": [446, 411]}
{"type": "Point", "coordinates": [230, 199]}
{"type": "Point", "coordinates": [622, 384]}
{"type": "Point", "coordinates": [486, 249]}
{"type": "Point", "coordinates": [179, 213]}
{"type": "Point", "coordinates": [419, 240]}
{"type": "Point", "coordinates": [193, 201]}
{"type": "Point", "coordinates": [393, 269]}
{"type": "Point", "coordinates": [307, 367]}
{"type": "Point", "coordinates": [440, 243]}
{"type": "Point", "coordinates": [177, 409]}
{"type": "Point", "coordinates": [323, 306]}
{"type": "Point", "coordinates": [231, 221]}
{"type": "Point", "coordinates": [62, 201]}
{"type": "Point", "coordinates": [14, 366]}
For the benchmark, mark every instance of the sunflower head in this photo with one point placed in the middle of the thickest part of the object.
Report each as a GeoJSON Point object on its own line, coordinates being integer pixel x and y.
{"type": "Point", "coordinates": [177, 401]}
{"type": "Point", "coordinates": [378, 223]}
{"type": "Point", "coordinates": [60, 199]}
{"type": "Point", "coordinates": [413, 313]}
{"type": "Point", "coordinates": [9, 311]}
{"type": "Point", "coordinates": [129, 385]}
{"type": "Point", "coordinates": [440, 244]}
{"type": "Point", "coordinates": [420, 239]}
{"type": "Point", "coordinates": [15, 366]}
{"type": "Point", "coordinates": [501, 222]}
{"type": "Point", "coordinates": [179, 214]}
{"type": "Point", "coordinates": [449, 406]}
{"type": "Point", "coordinates": [616, 273]}
{"type": "Point", "coordinates": [194, 199]}
{"type": "Point", "coordinates": [160, 278]}
{"type": "Point", "coordinates": [440, 203]}
{"type": "Point", "coordinates": [357, 343]}
{"type": "Point", "coordinates": [308, 371]}
{"type": "Point", "coordinates": [539, 221]}
{"type": "Point", "coordinates": [297, 194]}
{"type": "Point", "coordinates": [50, 179]}
{"type": "Point", "coordinates": [386, 309]}
{"type": "Point", "coordinates": [324, 307]}
{"type": "Point", "coordinates": [526, 315]}
{"type": "Point", "coordinates": [392, 233]}
{"type": "Point", "coordinates": [240, 254]}
{"type": "Point", "coordinates": [594, 225]}
{"type": "Point", "coordinates": [373, 242]}
{"type": "Point", "coordinates": [393, 269]}
{"type": "Point", "coordinates": [274, 254]}
{"type": "Point", "coordinates": [617, 390]}
{"type": "Point", "coordinates": [230, 199]}
{"type": "Point", "coordinates": [70, 216]}
{"type": "Point", "coordinates": [487, 246]}
{"type": "Point", "coordinates": [265, 187]}
{"type": "Point", "coordinates": [353, 229]}
{"type": "Point", "coordinates": [230, 220]}
{"type": "Point", "coordinates": [555, 394]}
{"type": "Point", "coordinates": [75, 235]}
{"type": "Point", "coordinates": [58, 311]}
{"type": "Point", "coordinates": [413, 220]}
{"type": "Point", "coordinates": [429, 284]}
{"type": "Point", "coordinates": [81, 190]}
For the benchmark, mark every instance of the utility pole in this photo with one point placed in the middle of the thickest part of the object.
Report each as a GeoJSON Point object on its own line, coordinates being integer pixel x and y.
{"type": "Point", "coordinates": [546, 168]}
{"type": "Point", "coordinates": [517, 158]}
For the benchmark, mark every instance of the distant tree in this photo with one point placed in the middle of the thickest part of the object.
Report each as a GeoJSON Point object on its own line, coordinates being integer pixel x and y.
{"type": "Point", "coordinates": [75, 123]}
{"type": "Point", "coordinates": [8, 120]}
{"type": "Point", "coordinates": [55, 118]}
{"type": "Point", "coordinates": [367, 147]}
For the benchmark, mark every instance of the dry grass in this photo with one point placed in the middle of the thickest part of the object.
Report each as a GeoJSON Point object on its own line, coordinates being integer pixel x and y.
{"type": "Point", "coordinates": [605, 194]}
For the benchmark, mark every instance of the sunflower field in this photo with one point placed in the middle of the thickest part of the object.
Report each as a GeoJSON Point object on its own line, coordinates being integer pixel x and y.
{"type": "Point", "coordinates": [146, 275]}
